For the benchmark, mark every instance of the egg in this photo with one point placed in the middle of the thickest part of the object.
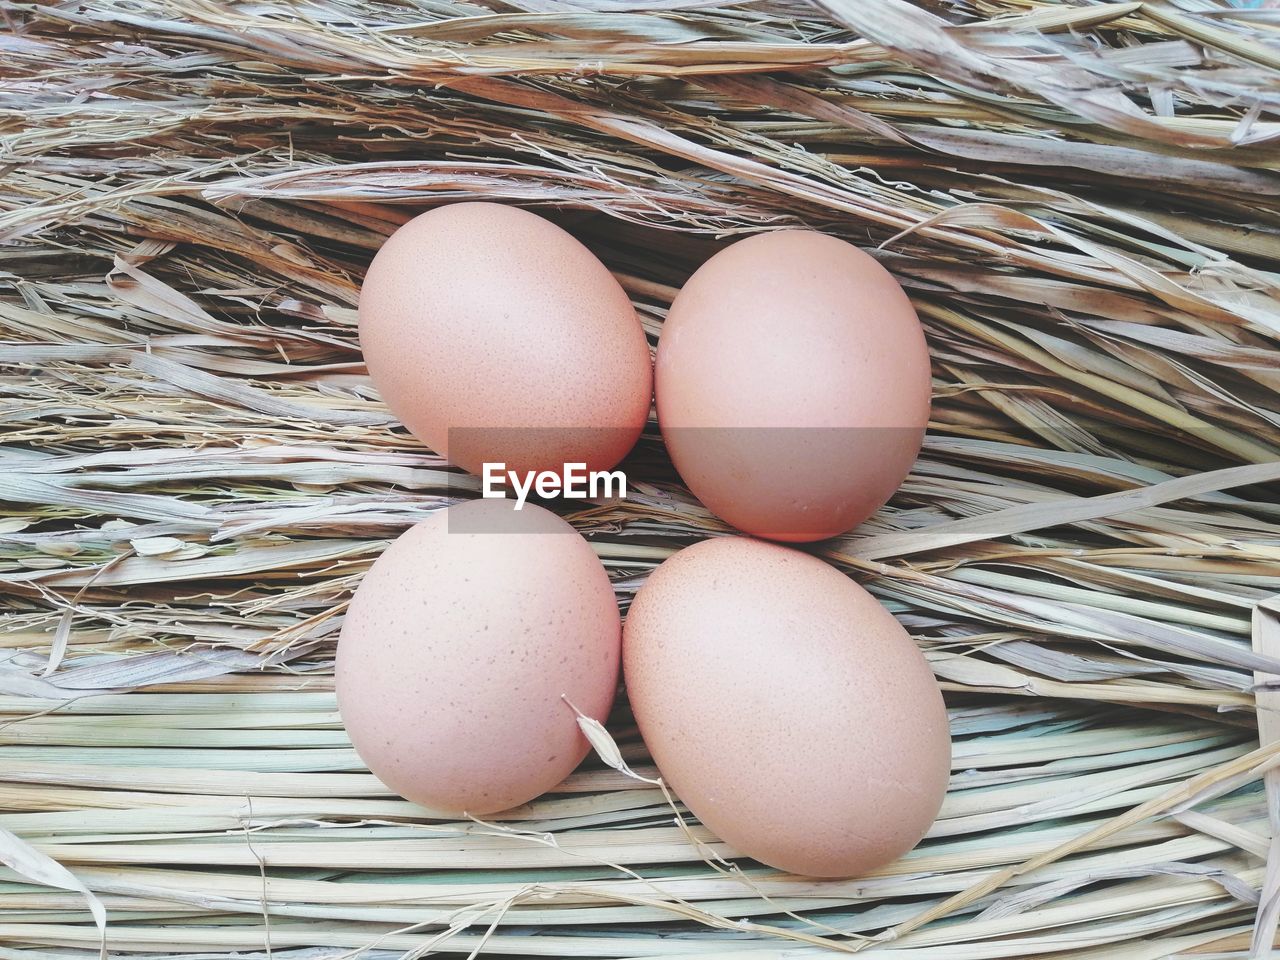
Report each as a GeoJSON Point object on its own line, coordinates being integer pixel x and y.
{"type": "Point", "coordinates": [786, 707]}
{"type": "Point", "coordinates": [496, 337]}
{"type": "Point", "coordinates": [464, 647]}
{"type": "Point", "coordinates": [792, 385]}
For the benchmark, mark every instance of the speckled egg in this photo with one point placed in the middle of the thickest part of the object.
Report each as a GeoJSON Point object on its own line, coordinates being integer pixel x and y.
{"type": "Point", "coordinates": [793, 385]}
{"type": "Point", "coordinates": [786, 707]}
{"type": "Point", "coordinates": [460, 647]}
{"type": "Point", "coordinates": [495, 336]}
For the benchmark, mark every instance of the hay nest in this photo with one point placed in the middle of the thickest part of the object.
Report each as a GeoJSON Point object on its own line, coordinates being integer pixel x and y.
{"type": "Point", "coordinates": [1082, 201]}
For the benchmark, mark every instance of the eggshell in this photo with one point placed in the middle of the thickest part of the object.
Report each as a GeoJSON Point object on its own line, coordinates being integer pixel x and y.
{"type": "Point", "coordinates": [458, 647]}
{"type": "Point", "coordinates": [786, 707]}
{"type": "Point", "coordinates": [792, 385]}
{"type": "Point", "coordinates": [495, 324]}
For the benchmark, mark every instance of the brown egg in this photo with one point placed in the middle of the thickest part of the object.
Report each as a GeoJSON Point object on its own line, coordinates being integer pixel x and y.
{"type": "Point", "coordinates": [793, 385]}
{"type": "Point", "coordinates": [458, 647]}
{"type": "Point", "coordinates": [495, 336]}
{"type": "Point", "coordinates": [786, 707]}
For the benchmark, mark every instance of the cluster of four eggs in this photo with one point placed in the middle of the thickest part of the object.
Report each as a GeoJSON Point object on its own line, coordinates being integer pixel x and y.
{"type": "Point", "coordinates": [786, 707]}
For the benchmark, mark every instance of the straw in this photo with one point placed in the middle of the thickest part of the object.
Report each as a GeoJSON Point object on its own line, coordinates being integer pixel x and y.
{"type": "Point", "coordinates": [1083, 202]}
